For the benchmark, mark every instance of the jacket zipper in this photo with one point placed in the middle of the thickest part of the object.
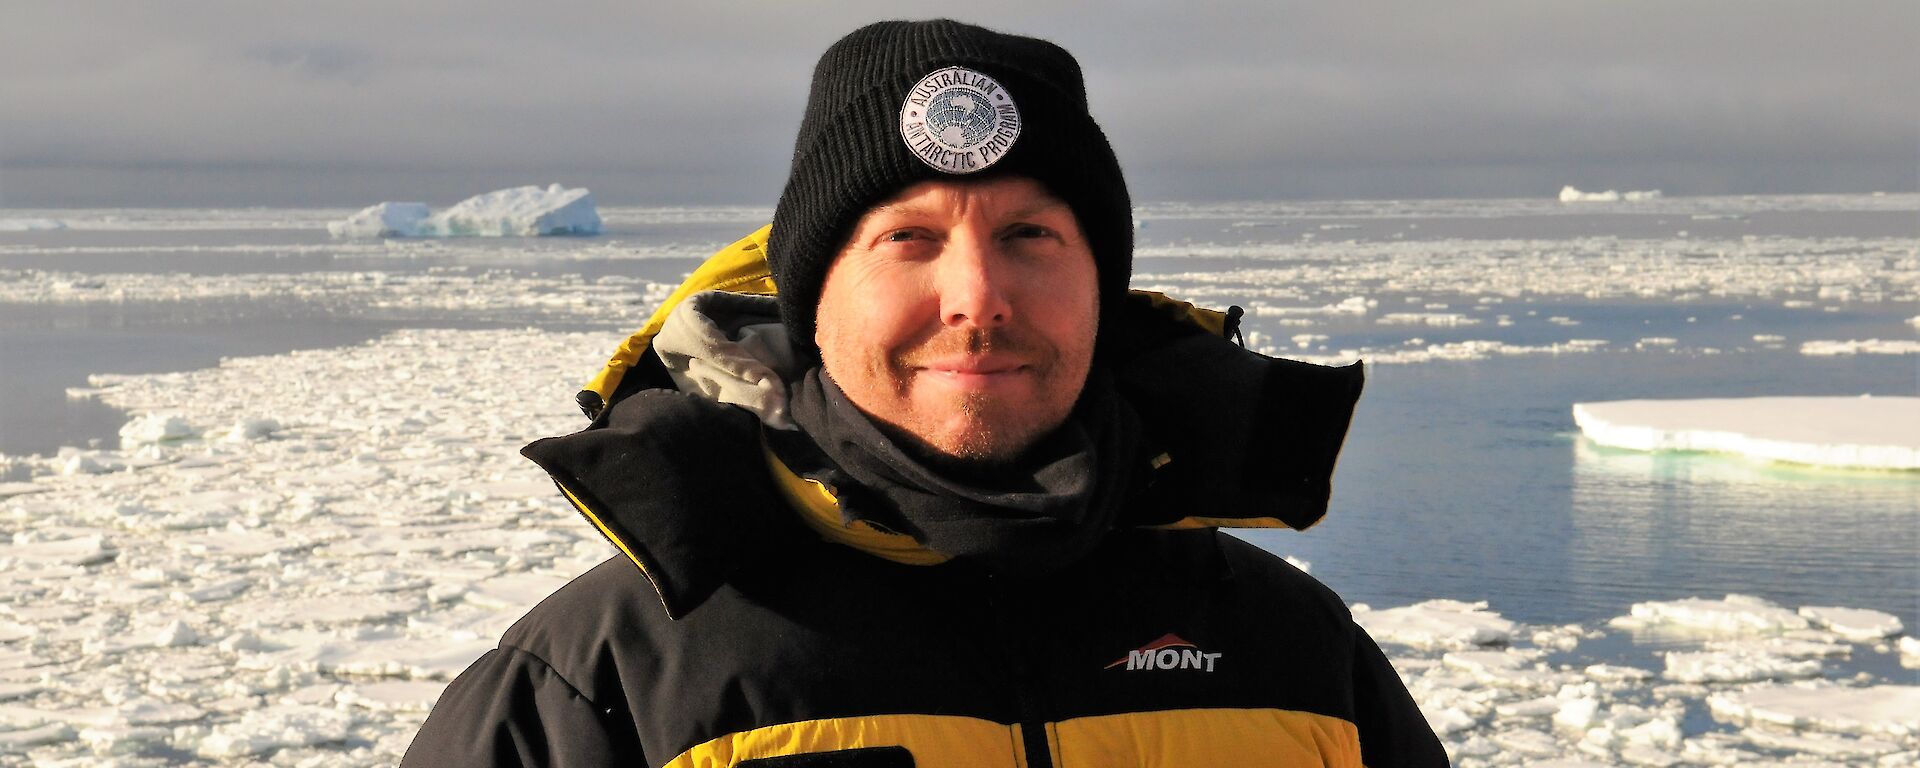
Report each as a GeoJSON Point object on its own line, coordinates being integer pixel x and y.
{"type": "Point", "coordinates": [1033, 729]}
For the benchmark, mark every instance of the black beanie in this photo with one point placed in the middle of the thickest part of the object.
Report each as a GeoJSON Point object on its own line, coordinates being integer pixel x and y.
{"type": "Point", "coordinates": [853, 150]}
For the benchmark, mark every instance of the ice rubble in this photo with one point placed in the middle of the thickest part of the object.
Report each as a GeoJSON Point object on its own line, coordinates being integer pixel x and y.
{"type": "Point", "coordinates": [304, 590]}
{"type": "Point", "coordinates": [1869, 432]}
{"type": "Point", "coordinates": [1570, 195]}
{"type": "Point", "coordinates": [525, 211]}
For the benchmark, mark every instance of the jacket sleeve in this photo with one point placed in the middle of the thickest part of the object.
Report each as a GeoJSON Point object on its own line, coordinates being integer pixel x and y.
{"type": "Point", "coordinates": [510, 709]}
{"type": "Point", "coordinates": [1392, 730]}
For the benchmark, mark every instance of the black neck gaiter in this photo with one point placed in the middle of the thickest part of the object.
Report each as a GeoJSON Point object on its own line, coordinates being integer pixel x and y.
{"type": "Point", "coordinates": [1041, 512]}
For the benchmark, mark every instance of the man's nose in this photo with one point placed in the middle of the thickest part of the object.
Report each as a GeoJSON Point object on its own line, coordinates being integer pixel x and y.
{"type": "Point", "coordinates": [972, 283]}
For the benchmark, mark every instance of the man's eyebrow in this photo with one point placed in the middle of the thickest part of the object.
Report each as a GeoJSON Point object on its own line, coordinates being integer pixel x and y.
{"type": "Point", "coordinates": [893, 208]}
{"type": "Point", "coordinates": [910, 209]}
{"type": "Point", "coordinates": [1037, 206]}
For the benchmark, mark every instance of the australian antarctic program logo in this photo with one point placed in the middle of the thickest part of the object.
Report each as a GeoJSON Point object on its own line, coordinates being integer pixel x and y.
{"type": "Point", "coordinates": [1168, 652]}
{"type": "Point", "coordinates": [959, 121]}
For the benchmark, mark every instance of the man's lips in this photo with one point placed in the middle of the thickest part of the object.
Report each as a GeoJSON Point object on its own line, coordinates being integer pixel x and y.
{"type": "Point", "coordinates": [967, 367]}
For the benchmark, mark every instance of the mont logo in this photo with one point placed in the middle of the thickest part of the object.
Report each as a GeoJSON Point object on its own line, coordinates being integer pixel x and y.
{"type": "Point", "coordinates": [1168, 652]}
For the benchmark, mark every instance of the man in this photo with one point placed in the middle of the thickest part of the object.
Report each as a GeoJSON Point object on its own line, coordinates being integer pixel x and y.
{"type": "Point", "coordinates": [949, 497]}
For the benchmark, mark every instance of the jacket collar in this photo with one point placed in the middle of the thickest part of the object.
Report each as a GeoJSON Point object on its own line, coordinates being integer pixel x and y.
{"type": "Point", "coordinates": [1246, 440]}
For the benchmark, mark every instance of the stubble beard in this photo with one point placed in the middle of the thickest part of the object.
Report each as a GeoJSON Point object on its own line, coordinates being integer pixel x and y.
{"type": "Point", "coordinates": [997, 429]}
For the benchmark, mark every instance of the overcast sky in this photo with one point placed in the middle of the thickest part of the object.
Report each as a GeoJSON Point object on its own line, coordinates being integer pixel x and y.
{"type": "Point", "coordinates": [346, 104]}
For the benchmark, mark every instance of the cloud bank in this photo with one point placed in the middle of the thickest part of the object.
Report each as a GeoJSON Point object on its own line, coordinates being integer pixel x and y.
{"type": "Point", "coordinates": [235, 103]}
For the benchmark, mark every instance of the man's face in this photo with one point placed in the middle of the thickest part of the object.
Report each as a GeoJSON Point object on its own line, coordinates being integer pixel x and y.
{"type": "Point", "coordinates": [962, 315]}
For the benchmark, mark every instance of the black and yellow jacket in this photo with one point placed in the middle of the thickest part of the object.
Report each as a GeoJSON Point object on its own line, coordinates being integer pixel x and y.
{"type": "Point", "coordinates": [763, 629]}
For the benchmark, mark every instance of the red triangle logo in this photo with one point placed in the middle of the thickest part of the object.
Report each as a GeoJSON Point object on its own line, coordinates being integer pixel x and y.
{"type": "Point", "coordinates": [1168, 640]}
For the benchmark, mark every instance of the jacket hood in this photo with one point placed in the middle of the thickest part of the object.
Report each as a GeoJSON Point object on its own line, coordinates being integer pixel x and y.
{"type": "Point", "coordinates": [731, 348]}
{"type": "Point", "coordinates": [675, 471]}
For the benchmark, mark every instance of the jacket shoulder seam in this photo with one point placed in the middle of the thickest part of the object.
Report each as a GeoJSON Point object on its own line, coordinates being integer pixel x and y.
{"type": "Point", "coordinates": [551, 669]}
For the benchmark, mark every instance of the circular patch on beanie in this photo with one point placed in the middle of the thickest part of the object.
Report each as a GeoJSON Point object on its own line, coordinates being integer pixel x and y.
{"type": "Point", "coordinates": [959, 121]}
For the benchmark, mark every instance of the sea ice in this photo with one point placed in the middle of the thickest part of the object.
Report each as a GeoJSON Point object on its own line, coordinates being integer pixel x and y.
{"type": "Point", "coordinates": [1887, 710]}
{"type": "Point", "coordinates": [1854, 623]}
{"type": "Point", "coordinates": [1436, 624]}
{"type": "Point", "coordinates": [1736, 666]}
{"type": "Point", "coordinates": [46, 733]}
{"type": "Point", "coordinates": [393, 695]}
{"type": "Point", "coordinates": [32, 552]}
{"type": "Point", "coordinates": [1438, 319]}
{"type": "Point", "coordinates": [1827, 348]}
{"type": "Point", "coordinates": [1870, 432]}
{"type": "Point", "coordinates": [275, 728]}
{"type": "Point", "coordinates": [1733, 614]}
{"type": "Point", "coordinates": [154, 428]}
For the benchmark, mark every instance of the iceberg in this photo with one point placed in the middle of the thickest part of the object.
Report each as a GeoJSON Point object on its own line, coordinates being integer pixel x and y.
{"type": "Point", "coordinates": [529, 210]}
{"type": "Point", "coordinates": [1568, 194]}
{"type": "Point", "coordinates": [382, 220]}
{"type": "Point", "coordinates": [31, 225]}
{"type": "Point", "coordinates": [519, 211]}
{"type": "Point", "coordinates": [1859, 432]}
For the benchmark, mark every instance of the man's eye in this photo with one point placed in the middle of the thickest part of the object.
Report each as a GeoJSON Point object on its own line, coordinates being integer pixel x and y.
{"type": "Point", "coordinates": [1029, 230]}
{"type": "Point", "coordinates": [898, 236]}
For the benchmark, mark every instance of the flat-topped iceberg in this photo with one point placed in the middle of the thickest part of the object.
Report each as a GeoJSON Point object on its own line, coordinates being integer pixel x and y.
{"type": "Point", "coordinates": [31, 225]}
{"type": "Point", "coordinates": [1864, 432]}
{"type": "Point", "coordinates": [1568, 194]}
{"type": "Point", "coordinates": [383, 220]}
{"type": "Point", "coordinates": [528, 210]}
{"type": "Point", "coordinates": [519, 211]}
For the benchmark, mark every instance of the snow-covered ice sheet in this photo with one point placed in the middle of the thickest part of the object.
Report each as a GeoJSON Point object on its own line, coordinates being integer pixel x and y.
{"type": "Point", "coordinates": [1868, 432]}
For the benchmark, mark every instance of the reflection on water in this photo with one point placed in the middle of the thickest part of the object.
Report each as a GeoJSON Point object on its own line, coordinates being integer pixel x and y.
{"type": "Point", "coordinates": [1670, 525]}
{"type": "Point", "coordinates": [1470, 482]}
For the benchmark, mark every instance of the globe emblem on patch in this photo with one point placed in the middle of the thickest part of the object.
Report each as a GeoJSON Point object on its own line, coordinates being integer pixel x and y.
{"type": "Point", "coordinates": [958, 120]}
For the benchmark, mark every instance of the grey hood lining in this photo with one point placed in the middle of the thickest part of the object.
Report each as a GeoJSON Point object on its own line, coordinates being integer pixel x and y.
{"type": "Point", "coordinates": [731, 348]}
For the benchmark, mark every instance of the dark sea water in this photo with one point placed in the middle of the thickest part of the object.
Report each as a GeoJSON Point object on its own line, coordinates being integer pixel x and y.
{"type": "Point", "coordinates": [1470, 481]}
